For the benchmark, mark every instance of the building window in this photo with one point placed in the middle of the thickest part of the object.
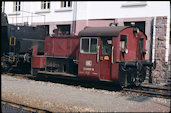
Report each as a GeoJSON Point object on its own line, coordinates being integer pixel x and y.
{"type": "Point", "coordinates": [17, 6]}
{"type": "Point", "coordinates": [45, 5]}
{"type": "Point", "coordinates": [3, 6]}
{"type": "Point", "coordinates": [139, 24]}
{"type": "Point", "coordinates": [66, 4]}
{"type": "Point", "coordinates": [64, 29]}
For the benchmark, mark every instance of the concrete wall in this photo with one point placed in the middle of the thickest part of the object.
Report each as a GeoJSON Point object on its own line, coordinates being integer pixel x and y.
{"type": "Point", "coordinates": [92, 10]}
{"type": "Point", "coordinates": [54, 14]}
{"type": "Point", "coordinates": [123, 9]}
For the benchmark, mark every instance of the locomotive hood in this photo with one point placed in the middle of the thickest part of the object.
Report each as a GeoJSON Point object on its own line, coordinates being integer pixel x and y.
{"type": "Point", "coordinates": [102, 31]}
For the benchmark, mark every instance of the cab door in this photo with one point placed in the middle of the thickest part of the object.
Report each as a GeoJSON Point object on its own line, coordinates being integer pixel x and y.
{"type": "Point", "coordinates": [89, 57]}
{"type": "Point", "coordinates": [105, 54]}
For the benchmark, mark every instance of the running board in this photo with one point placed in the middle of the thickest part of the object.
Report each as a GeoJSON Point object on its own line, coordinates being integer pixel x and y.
{"type": "Point", "coordinates": [57, 73]}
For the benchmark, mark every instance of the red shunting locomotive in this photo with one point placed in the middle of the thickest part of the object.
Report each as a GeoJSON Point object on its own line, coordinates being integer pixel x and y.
{"type": "Point", "coordinates": [106, 53]}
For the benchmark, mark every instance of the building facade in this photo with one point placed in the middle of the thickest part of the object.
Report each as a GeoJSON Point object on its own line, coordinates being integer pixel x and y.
{"type": "Point", "coordinates": [152, 17]}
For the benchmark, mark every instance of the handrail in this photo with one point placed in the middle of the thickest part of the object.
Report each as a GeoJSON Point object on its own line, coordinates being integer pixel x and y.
{"type": "Point", "coordinates": [112, 55]}
{"type": "Point", "coordinates": [98, 53]}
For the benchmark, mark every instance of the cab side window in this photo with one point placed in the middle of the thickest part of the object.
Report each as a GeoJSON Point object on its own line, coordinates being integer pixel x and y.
{"type": "Point", "coordinates": [106, 45]}
{"type": "Point", "coordinates": [93, 46]}
{"type": "Point", "coordinates": [88, 45]}
{"type": "Point", "coordinates": [85, 45]}
{"type": "Point", "coordinates": [123, 43]}
{"type": "Point", "coordinates": [141, 44]}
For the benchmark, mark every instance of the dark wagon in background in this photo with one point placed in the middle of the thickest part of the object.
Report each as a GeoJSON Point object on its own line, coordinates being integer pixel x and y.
{"type": "Point", "coordinates": [17, 42]}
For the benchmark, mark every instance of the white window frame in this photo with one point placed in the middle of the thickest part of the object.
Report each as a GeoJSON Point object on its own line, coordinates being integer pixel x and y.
{"type": "Point", "coordinates": [125, 43]}
{"type": "Point", "coordinates": [46, 5]}
{"type": "Point", "coordinates": [67, 4]}
{"type": "Point", "coordinates": [16, 6]}
{"type": "Point", "coordinates": [89, 45]}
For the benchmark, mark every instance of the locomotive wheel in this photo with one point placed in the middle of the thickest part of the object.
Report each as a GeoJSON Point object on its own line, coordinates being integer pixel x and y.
{"type": "Point", "coordinates": [137, 82]}
{"type": "Point", "coordinates": [140, 73]}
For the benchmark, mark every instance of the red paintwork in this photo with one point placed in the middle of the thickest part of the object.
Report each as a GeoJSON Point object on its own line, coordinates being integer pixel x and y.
{"type": "Point", "coordinates": [104, 69]}
{"type": "Point", "coordinates": [105, 64]}
{"type": "Point", "coordinates": [62, 46]}
{"type": "Point", "coordinates": [132, 46]}
{"type": "Point", "coordinates": [115, 66]}
{"type": "Point", "coordinates": [38, 62]}
{"type": "Point", "coordinates": [85, 70]}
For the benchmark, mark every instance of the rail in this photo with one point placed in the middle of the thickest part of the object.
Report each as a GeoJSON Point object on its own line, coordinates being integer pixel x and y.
{"type": "Point", "coordinates": [153, 91]}
{"type": "Point", "coordinates": [24, 107]}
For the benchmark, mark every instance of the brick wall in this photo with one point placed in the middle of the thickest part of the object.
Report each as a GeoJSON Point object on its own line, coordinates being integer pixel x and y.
{"type": "Point", "coordinates": [169, 68]}
{"type": "Point", "coordinates": [159, 74]}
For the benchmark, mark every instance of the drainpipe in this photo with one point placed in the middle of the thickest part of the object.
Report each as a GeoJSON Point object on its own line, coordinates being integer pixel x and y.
{"type": "Point", "coordinates": [4, 6]}
{"type": "Point", "coordinates": [153, 39]}
{"type": "Point", "coordinates": [167, 48]}
{"type": "Point", "coordinates": [152, 48]}
{"type": "Point", "coordinates": [74, 17]}
{"type": "Point", "coordinates": [16, 19]}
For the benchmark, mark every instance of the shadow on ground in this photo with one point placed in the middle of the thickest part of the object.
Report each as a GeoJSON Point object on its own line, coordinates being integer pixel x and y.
{"type": "Point", "coordinates": [79, 82]}
{"type": "Point", "coordinates": [139, 98]}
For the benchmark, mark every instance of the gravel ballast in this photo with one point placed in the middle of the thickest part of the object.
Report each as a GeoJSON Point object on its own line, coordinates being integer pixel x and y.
{"type": "Point", "coordinates": [64, 98]}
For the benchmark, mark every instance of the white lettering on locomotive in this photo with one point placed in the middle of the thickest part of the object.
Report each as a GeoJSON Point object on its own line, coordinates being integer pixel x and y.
{"type": "Point", "coordinates": [88, 69]}
{"type": "Point", "coordinates": [88, 63]}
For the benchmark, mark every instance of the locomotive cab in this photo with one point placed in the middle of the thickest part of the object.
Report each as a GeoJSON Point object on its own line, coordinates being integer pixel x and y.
{"type": "Point", "coordinates": [95, 57]}
{"type": "Point", "coordinates": [113, 54]}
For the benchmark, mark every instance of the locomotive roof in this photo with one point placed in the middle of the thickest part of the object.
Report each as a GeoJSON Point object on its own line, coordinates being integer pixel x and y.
{"type": "Point", "coordinates": [102, 31]}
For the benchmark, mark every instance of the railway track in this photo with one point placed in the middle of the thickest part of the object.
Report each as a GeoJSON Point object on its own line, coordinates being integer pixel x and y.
{"type": "Point", "coordinates": [151, 90]}
{"type": "Point", "coordinates": [31, 109]}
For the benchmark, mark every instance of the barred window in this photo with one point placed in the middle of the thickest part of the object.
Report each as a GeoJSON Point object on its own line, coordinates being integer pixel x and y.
{"type": "Point", "coordinates": [16, 6]}
{"type": "Point", "coordinates": [66, 4]}
{"type": "Point", "coordinates": [45, 5]}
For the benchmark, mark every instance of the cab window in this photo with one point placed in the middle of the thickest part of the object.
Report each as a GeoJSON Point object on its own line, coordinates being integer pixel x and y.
{"type": "Point", "coordinates": [93, 46]}
{"type": "Point", "coordinates": [106, 45]}
{"type": "Point", "coordinates": [123, 43]}
{"type": "Point", "coordinates": [85, 45]}
{"type": "Point", "coordinates": [88, 45]}
{"type": "Point", "coordinates": [141, 44]}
